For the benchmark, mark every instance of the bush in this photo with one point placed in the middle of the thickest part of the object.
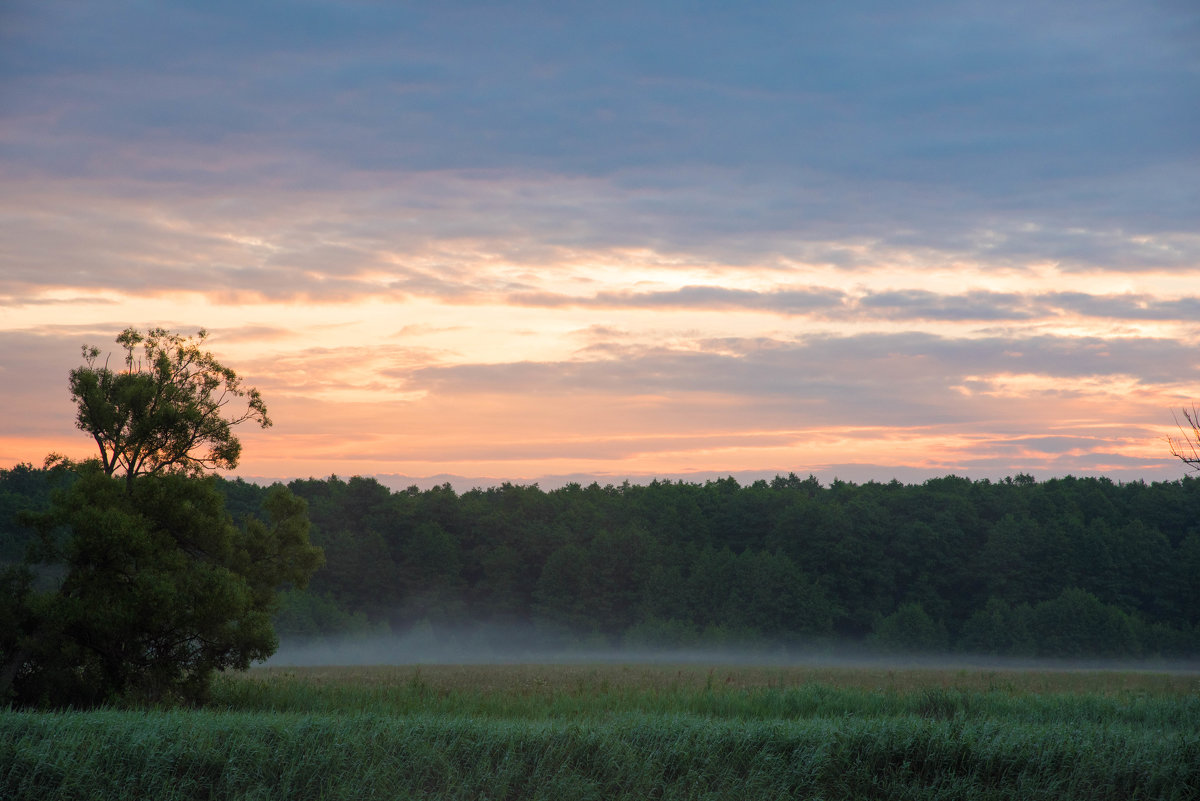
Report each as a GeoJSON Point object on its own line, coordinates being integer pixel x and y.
{"type": "Point", "coordinates": [306, 614]}
{"type": "Point", "coordinates": [1078, 624]}
{"type": "Point", "coordinates": [909, 629]}
{"type": "Point", "coordinates": [999, 629]}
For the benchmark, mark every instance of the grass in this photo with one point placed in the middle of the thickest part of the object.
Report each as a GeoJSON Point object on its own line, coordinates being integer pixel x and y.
{"type": "Point", "coordinates": [515, 679]}
{"type": "Point", "coordinates": [613, 732]}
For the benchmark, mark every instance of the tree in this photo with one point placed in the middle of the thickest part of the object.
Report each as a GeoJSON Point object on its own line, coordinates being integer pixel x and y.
{"type": "Point", "coordinates": [1077, 624]}
{"type": "Point", "coordinates": [140, 585]}
{"type": "Point", "coordinates": [999, 629]}
{"type": "Point", "coordinates": [909, 628]}
{"type": "Point", "coordinates": [1187, 448]}
{"type": "Point", "coordinates": [160, 590]}
{"type": "Point", "coordinates": [165, 411]}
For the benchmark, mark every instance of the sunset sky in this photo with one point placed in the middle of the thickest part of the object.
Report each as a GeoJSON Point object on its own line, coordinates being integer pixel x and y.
{"type": "Point", "coordinates": [529, 241]}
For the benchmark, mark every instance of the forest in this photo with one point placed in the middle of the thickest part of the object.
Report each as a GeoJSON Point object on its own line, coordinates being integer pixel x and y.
{"type": "Point", "coordinates": [1067, 567]}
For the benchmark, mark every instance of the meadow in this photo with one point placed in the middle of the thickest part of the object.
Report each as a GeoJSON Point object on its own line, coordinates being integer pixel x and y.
{"type": "Point", "coordinates": [608, 731]}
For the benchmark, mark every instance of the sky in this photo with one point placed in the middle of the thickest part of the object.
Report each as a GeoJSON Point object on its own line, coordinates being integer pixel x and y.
{"type": "Point", "coordinates": [549, 241]}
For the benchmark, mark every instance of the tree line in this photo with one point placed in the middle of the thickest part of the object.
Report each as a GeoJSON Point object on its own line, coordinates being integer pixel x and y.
{"type": "Point", "coordinates": [137, 574]}
{"type": "Point", "coordinates": [1069, 567]}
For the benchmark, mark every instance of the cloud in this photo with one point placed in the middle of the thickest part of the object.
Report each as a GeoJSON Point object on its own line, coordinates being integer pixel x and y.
{"type": "Point", "coordinates": [789, 301]}
{"type": "Point", "coordinates": [1127, 306]}
{"type": "Point", "coordinates": [1050, 444]}
{"type": "Point", "coordinates": [754, 133]}
{"type": "Point", "coordinates": [896, 379]}
{"type": "Point", "coordinates": [630, 218]}
{"type": "Point", "coordinates": [919, 303]}
{"type": "Point", "coordinates": [900, 305]}
{"type": "Point", "coordinates": [33, 372]}
{"type": "Point", "coordinates": [251, 333]}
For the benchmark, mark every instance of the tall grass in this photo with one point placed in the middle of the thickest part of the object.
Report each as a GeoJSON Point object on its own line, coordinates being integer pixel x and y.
{"type": "Point", "coordinates": [596, 695]}
{"type": "Point", "coordinates": [189, 755]}
{"type": "Point", "coordinates": [270, 736]}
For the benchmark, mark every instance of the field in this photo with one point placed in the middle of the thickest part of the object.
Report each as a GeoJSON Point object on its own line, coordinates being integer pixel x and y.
{"type": "Point", "coordinates": [634, 731]}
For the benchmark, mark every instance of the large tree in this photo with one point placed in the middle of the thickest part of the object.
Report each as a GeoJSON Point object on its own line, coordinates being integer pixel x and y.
{"type": "Point", "coordinates": [154, 589]}
{"type": "Point", "coordinates": [170, 409]}
{"type": "Point", "coordinates": [140, 584]}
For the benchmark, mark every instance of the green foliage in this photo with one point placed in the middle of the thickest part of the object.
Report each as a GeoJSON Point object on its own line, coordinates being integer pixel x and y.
{"type": "Point", "coordinates": [999, 630]}
{"type": "Point", "coordinates": [786, 561]}
{"type": "Point", "coordinates": [910, 629]}
{"type": "Point", "coordinates": [24, 489]}
{"type": "Point", "coordinates": [303, 615]}
{"type": "Point", "coordinates": [141, 586]}
{"type": "Point", "coordinates": [1077, 624]}
{"type": "Point", "coordinates": [165, 410]}
{"type": "Point", "coordinates": [160, 590]}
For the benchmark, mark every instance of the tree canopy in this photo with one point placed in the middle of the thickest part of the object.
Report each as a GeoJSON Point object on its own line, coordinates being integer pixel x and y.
{"type": "Point", "coordinates": [157, 589]}
{"type": "Point", "coordinates": [980, 566]}
{"type": "Point", "coordinates": [165, 411]}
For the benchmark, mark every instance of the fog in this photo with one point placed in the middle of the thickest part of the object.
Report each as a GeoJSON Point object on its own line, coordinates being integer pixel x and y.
{"type": "Point", "coordinates": [508, 645]}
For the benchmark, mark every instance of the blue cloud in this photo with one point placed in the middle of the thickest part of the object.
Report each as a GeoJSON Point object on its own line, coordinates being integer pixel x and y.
{"type": "Point", "coordinates": [911, 375]}
{"type": "Point", "coordinates": [915, 124]}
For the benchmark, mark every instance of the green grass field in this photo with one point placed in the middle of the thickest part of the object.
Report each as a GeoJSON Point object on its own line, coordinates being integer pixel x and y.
{"type": "Point", "coordinates": [611, 731]}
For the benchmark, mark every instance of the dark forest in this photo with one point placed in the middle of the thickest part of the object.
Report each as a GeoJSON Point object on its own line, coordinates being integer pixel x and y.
{"type": "Point", "coordinates": [1070, 567]}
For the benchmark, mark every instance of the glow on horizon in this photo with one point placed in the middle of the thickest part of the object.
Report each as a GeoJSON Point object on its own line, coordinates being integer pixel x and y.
{"type": "Point", "coordinates": [569, 241]}
{"type": "Point", "coordinates": [338, 411]}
